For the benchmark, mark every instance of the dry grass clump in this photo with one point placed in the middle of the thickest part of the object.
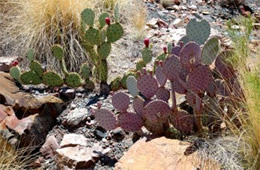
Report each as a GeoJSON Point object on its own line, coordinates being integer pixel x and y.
{"type": "Point", "coordinates": [39, 24]}
{"type": "Point", "coordinates": [11, 158]}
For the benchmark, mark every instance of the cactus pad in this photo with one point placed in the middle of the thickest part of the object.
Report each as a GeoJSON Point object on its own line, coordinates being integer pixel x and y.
{"type": "Point", "coordinates": [85, 71]}
{"type": "Point", "coordinates": [73, 80]}
{"type": "Point", "coordinates": [183, 122]}
{"type": "Point", "coordinates": [200, 78]}
{"type": "Point", "coordinates": [123, 81]}
{"type": "Point", "coordinates": [198, 31]}
{"type": "Point", "coordinates": [104, 50]}
{"type": "Point", "coordinates": [147, 55]}
{"type": "Point", "coordinates": [191, 99]}
{"type": "Point", "coordinates": [163, 94]}
{"type": "Point", "coordinates": [92, 36]}
{"type": "Point", "coordinates": [190, 55]}
{"type": "Point", "coordinates": [88, 16]}
{"type": "Point", "coordinates": [114, 32]}
{"type": "Point", "coordinates": [176, 50]}
{"type": "Point", "coordinates": [30, 77]}
{"type": "Point", "coordinates": [138, 105]}
{"type": "Point", "coordinates": [57, 51]}
{"type": "Point", "coordinates": [177, 86]}
{"type": "Point", "coordinates": [211, 90]}
{"type": "Point", "coordinates": [147, 85]}
{"type": "Point", "coordinates": [160, 76]}
{"type": "Point", "coordinates": [37, 68]}
{"type": "Point", "coordinates": [172, 67]}
{"type": "Point", "coordinates": [115, 84]}
{"type": "Point", "coordinates": [103, 71]}
{"type": "Point", "coordinates": [157, 109]}
{"type": "Point", "coordinates": [222, 88]}
{"type": "Point", "coordinates": [130, 122]}
{"type": "Point", "coordinates": [52, 79]}
{"type": "Point", "coordinates": [162, 57]}
{"type": "Point", "coordinates": [15, 72]}
{"type": "Point", "coordinates": [121, 101]}
{"type": "Point", "coordinates": [102, 18]}
{"type": "Point", "coordinates": [210, 51]}
{"type": "Point", "coordinates": [106, 119]}
{"type": "Point", "coordinates": [30, 55]}
{"type": "Point", "coordinates": [140, 65]}
{"type": "Point", "coordinates": [184, 40]}
{"type": "Point", "coordinates": [116, 13]}
{"type": "Point", "coordinates": [131, 84]}
{"type": "Point", "coordinates": [223, 68]}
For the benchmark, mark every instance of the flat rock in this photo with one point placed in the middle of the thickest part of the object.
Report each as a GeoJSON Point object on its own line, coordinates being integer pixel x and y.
{"type": "Point", "coordinates": [162, 153]}
{"type": "Point", "coordinates": [75, 117]}
{"type": "Point", "coordinates": [73, 140]}
{"type": "Point", "coordinates": [50, 146]}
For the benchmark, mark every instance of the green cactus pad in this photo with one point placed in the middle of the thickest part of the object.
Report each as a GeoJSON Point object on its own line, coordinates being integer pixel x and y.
{"type": "Point", "coordinates": [52, 79]}
{"type": "Point", "coordinates": [131, 84]}
{"type": "Point", "coordinates": [114, 32]}
{"type": "Point", "coordinates": [116, 13]}
{"type": "Point", "coordinates": [123, 81]}
{"type": "Point", "coordinates": [85, 71]}
{"type": "Point", "coordinates": [116, 84]}
{"type": "Point", "coordinates": [89, 85]}
{"type": "Point", "coordinates": [147, 55]}
{"type": "Point", "coordinates": [103, 71]}
{"type": "Point", "coordinates": [140, 65]}
{"type": "Point", "coordinates": [30, 54]}
{"type": "Point", "coordinates": [92, 36]}
{"type": "Point", "coordinates": [103, 36]}
{"type": "Point", "coordinates": [37, 68]}
{"type": "Point", "coordinates": [73, 80]}
{"type": "Point", "coordinates": [15, 72]}
{"type": "Point", "coordinates": [88, 17]}
{"type": "Point", "coordinates": [102, 18]}
{"type": "Point", "coordinates": [198, 31]}
{"type": "Point", "coordinates": [104, 50]}
{"type": "Point", "coordinates": [210, 51]}
{"type": "Point", "coordinates": [57, 51]}
{"type": "Point", "coordinates": [162, 57]}
{"type": "Point", "coordinates": [30, 77]}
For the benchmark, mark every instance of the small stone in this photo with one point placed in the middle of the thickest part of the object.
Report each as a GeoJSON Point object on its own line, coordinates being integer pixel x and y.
{"type": "Point", "coordinates": [118, 134]}
{"type": "Point", "coordinates": [49, 147]}
{"type": "Point", "coordinates": [72, 140]}
{"type": "Point", "coordinates": [178, 22]}
{"type": "Point", "coordinates": [100, 134]}
{"type": "Point", "coordinates": [76, 116]}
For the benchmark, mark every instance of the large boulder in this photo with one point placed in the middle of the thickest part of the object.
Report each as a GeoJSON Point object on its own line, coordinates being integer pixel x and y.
{"type": "Point", "coordinates": [163, 153]}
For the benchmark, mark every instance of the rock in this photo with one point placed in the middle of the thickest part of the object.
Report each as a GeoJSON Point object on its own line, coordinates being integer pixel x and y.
{"type": "Point", "coordinates": [76, 157]}
{"type": "Point", "coordinates": [67, 94]}
{"type": "Point", "coordinates": [6, 63]}
{"type": "Point", "coordinates": [74, 153]}
{"type": "Point", "coordinates": [73, 140]}
{"type": "Point", "coordinates": [75, 117]}
{"type": "Point", "coordinates": [49, 147]}
{"type": "Point", "coordinates": [118, 134]}
{"type": "Point", "coordinates": [162, 153]}
{"type": "Point", "coordinates": [178, 22]}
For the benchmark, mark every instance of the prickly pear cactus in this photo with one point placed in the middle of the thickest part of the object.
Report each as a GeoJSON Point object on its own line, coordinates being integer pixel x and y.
{"type": "Point", "coordinates": [116, 84]}
{"type": "Point", "coordinates": [52, 79]}
{"type": "Point", "coordinates": [85, 71]}
{"type": "Point", "coordinates": [161, 78]}
{"type": "Point", "coordinates": [57, 51]}
{"type": "Point", "coordinates": [121, 101]}
{"type": "Point", "coordinates": [73, 80]}
{"type": "Point", "coordinates": [30, 55]}
{"type": "Point", "coordinates": [106, 119]}
{"type": "Point", "coordinates": [147, 55]}
{"type": "Point", "coordinates": [114, 32]}
{"type": "Point", "coordinates": [183, 122]}
{"type": "Point", "coordinates": [190, 55]}
{"type": "Point", "coordinates": [130, 122]}
{"type": "Point", "coordinates": [15, 72]}
{"type": "Point", "coordinates": [102, 18]}
{"type": "Point", "coordinates": [172, 67]}
{"type": "Point", "coordinates": [104, 50]}
{"type": "Point", "coordinates": [140, 65]}
{"type": "Point", "coordinates": [198, 31]}
{"type": "Point", "coordinates": [30, 77]}
{"type": "Point", "coordinates": [210, 51]}
{"type": "Point", "coordinates": [88, 17]}
{"type": "Point", "coordinates": [37, 68]}
{"type": "Point", "coordinates": [131, 84]}
{"type": "Point", "coordinates": [147, 85]}
{"type": "Point", "coordinates": [92, 36]}
{"type": "Point", "coordinates": [163, 94]}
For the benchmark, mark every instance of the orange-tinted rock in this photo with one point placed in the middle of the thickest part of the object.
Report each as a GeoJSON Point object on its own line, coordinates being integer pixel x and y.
{"type": "Point", "coordinates": [163, 154]}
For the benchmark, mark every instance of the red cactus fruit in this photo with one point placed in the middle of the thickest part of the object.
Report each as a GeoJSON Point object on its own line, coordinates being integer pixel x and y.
{"type": "Point", "coordinates": [165, 50]}
{"type": "Point", "coordinates": [15, 63]}
{"type": "Point", "coordinates": [146, 42]}
{"type": "Point", "coordinates": [108, 21]}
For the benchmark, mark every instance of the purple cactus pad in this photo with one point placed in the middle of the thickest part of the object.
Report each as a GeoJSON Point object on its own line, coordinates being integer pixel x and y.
{"type": "Point", "coordinates": [130, 122]}
{"type": "Point", "coordinates": [106, 119]}
{"type": "Point", "coordinates": [147, 85]}
{"type": "Point", "coordinates": [121, 101]}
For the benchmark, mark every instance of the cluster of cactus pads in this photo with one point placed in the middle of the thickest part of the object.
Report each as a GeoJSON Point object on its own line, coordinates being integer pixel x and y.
{"type": "Point", "coordinates": [97, 42]}
{"type": "Point", "coordinates": [38, 75]}
{"type": "Point", "coordinates": [197, 73]}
